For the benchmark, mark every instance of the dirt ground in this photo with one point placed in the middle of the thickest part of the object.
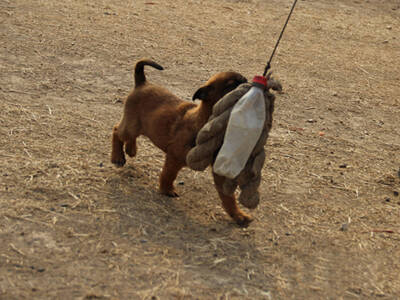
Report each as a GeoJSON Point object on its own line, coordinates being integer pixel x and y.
{"type": "Point", "coordinates": [74, 227]}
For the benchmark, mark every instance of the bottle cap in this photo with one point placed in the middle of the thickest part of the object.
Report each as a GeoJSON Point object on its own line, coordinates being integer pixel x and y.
{"type": "Point", "coordinates": [260, 80]}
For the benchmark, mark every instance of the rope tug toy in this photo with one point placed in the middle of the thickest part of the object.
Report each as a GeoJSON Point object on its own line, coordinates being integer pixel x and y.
{"type": "Point", "coordinates": [210, 138]}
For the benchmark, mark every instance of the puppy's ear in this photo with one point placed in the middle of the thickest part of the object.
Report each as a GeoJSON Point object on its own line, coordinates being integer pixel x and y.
{"type": "Point", "coordinates": [202, 93]}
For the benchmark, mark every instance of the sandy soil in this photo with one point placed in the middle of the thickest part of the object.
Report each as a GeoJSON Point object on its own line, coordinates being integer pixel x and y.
{"type": "Point", "coordinates": [74, 227]}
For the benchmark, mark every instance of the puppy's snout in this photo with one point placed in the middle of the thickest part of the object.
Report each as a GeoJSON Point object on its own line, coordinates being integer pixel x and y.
{"type": "Point", "coordinates": [243, 79]}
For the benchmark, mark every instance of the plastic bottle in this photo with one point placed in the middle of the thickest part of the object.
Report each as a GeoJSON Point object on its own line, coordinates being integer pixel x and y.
{"type": "Point", "coordinates": [244, 128]}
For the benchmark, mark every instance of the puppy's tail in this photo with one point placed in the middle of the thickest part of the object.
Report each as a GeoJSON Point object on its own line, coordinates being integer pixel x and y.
{"type": "Point", "coordinates": [140, 78]}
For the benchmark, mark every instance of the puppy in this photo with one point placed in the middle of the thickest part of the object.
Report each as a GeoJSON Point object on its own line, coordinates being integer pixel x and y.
{"type": "Point", "coordinates": [172, 125]}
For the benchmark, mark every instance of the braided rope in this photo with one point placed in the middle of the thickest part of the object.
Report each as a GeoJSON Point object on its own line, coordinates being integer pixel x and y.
{"type": "Point", "coordinates": [211, 137]}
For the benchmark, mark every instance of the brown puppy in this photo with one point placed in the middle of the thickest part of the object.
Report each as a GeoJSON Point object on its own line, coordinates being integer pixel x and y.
{"type": "Point", "coordinates": [172, 125]}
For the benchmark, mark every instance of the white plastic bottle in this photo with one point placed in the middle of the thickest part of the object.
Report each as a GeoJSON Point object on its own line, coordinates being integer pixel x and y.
{"type": "Point", "coordinates": [244, 128]}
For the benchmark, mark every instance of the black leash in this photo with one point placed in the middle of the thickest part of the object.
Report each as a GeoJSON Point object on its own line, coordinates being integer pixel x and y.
{"type": "Point", "coordinates": [268, 66]}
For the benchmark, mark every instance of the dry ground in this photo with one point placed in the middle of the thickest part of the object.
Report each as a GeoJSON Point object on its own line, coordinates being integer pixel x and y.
{"type": "Point", "coordinates": [74, 227]}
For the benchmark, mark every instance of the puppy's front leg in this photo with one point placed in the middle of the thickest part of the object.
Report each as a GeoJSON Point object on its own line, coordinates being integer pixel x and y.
{"type": "Point", "coordinates": [230, 205]}
{"type": "Point", "coordinates": [130, 147]}
{"type": "Point", "coordinates": [168, 176]}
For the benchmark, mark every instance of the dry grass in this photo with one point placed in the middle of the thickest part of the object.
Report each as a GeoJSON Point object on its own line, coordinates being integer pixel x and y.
{"type": "Point", "coordinates": [73, 227]}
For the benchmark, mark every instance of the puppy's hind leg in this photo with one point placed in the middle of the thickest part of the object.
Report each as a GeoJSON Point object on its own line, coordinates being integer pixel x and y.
{"type": "Point", "coordinates": [230, 205]}
{"type": "Point", "coordinates": [133, 133]}
{"type": "Point", "coordinates": [117, 153]}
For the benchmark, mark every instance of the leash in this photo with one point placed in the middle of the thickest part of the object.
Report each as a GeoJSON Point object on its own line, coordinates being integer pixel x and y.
{"type": "Point", "coordinates": [268, 66]}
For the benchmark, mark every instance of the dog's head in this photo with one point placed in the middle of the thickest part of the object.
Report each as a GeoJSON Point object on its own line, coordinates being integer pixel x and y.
{"type": "Point", "coordinates": [218, 86]}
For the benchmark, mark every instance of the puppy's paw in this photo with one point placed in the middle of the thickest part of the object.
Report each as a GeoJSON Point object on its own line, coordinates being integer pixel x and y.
{"type": "Point", "coordinates": [170, 193]}
{"type": "Point", "coordinates": [119, 162]}
{"type": "Point", "coordinates": [243, 220]}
